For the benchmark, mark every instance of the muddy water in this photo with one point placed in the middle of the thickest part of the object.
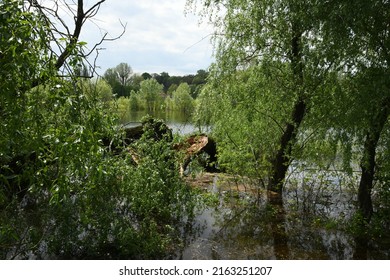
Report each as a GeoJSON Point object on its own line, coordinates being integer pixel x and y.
{"type": "Point", "coordinates": [309, 224]}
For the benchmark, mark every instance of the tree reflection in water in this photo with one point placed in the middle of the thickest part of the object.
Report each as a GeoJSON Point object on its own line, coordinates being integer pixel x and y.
{"type": "Point", "coordinates": [270, 227]}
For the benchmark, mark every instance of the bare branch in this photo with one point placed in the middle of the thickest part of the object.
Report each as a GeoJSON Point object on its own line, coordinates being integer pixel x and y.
{"type": "Point", "coordinates": [94, 9]}
{"type": "Point", "coordinates": [64, 39]}
{"type": "Point", "coordinates": [97, 48]}
{"type": "Point", "coordinates": [105, 39]}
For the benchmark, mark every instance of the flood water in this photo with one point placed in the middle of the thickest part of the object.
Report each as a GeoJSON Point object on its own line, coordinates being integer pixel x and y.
{"type": "Point", "coordinates": [240, 221]}
{"type": "Point", "coordinates": [242, 225]}
{"type": "Point", "coordinates": [310, 223]}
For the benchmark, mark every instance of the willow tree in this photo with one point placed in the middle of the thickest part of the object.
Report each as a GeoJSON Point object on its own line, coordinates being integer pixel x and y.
{"type": "Point", "coordinates": [373, 29]}
{"type": "Point", "coordinates": [150, 93]}
{"type": "Point", "coordinates": [281, 38]}
{"type": "Point", "coordinates": [360, 31]}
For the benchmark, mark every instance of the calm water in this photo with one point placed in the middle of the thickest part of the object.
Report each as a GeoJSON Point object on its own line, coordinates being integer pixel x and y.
{"type": "Point", "coordinates": [177, 121]}
{"type": "Point", "coordinates": [240, 225]}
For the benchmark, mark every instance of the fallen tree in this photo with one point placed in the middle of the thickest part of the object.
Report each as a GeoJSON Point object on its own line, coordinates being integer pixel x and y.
{"type": "Point", "coordinates": [194, 146]}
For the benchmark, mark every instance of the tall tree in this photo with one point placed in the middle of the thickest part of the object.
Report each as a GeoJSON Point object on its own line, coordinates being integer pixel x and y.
{"type": "Point", "coordinates": [281, 36]}
{"type": "Point", "coordinates": [54, 161]}
{"type": "Point", "coordinates": [182, 100]}
{"type": "Point", "coordinates": [359, 31]}
{"type": "Point", "coordinates": [146, 76]}
{"type": "Point", "coordinates": [373, 29]}
{"type": "Point", "coordinates": [150, 92]}
{"type": "Point", "coordinates": [124, 73]}
{"type": "Point", "coordinates": [163, 78]}
{"type": "Point", "coordinates": [36, 43]}
{"type": "Point", "coordinates": [120, 78]}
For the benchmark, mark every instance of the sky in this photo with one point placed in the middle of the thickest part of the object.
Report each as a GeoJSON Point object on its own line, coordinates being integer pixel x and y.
{"type": "Point", "coordinates": [159, 36]}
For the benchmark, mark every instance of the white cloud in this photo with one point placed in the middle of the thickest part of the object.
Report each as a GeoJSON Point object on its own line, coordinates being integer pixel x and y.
{"type": "Point", "coordinates": [159, 37]}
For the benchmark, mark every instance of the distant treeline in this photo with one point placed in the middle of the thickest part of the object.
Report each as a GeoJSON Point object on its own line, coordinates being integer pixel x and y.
{"type": "Point", "coordinates": [123, 80]}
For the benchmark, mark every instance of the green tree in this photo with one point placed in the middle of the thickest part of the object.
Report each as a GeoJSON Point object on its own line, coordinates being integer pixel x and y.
{"type": "Point", "coordinates": [281, 38]}
{"type": "Point", "coordinates": [182, 100]}
{"type": "Point", "coordinates": [33, 103]}
{"type": "Point", "coordinates": [56, 152]}
{"type": "Point", "coordinates": [322, 57]}
{"type": "Point", "coordinates": [135, 82]}
{"type": "Point", "coordinates": [98, 87]}
{"type": "Point", "coordinates": [150, 92]}
{"type": "Point", "coordinates": [120, 78]}
{"type": "Point", "coordinates": [134, 106]}
{"type": "Point", "coordinates": [111, 77]}
{"type": "Point", "coordinates": [200, 77]}
{"type": "Point", "coordinates": [123, 108]}
{"type": "Point", "coordinates": [199, 80]}
{"type": "Point", "coordinates": [146, 76]}
{"type": "Point", "coordinates": [171, 89]}
{"type": "Point", "coordinates": [124, 73]}
{"type": "Point", "coordinates": [361, 37]}
{"type": "Point", "coordinates": [163, 79]}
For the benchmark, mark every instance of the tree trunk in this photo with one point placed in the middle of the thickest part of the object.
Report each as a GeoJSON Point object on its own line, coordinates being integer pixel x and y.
{"type": "Point", "coordinates": [368, 163]}
{"type": "Point", "coordinates": [282, 158]}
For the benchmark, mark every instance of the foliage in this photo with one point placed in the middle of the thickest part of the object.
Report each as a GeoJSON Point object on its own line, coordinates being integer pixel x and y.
{"type": "Point", "coordinates": [279, 40]}
{"type": "Point", "coordinates": [64, 193]}
{"type": "Point", "coordinates": [150, 92]}
{"type": "Point", "coordinates": [124, 211]}
{"type": "Point", "coordinates": [124, 71]}
{"type": "Point", "coordinates": [22, 56]}
{"type": "Point", "coordinates": [134, 101]}
{"type": "Point", "coordinates": [244, 121]}
{"type": "Point", "coordinates": [182, 100]}
{"type": "Point", "coordinates": [94, 204]}
{"type": "Point", "coordinates": [325, 70]}
{"type": "Point", "coordinates": [122, 108]}
{"type": "Point", "coordinates": [121, 79]}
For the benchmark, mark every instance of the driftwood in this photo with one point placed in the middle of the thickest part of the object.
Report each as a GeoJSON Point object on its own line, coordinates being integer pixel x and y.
{"type": "Point", "coordinates": [191, 147]}
{"type": "Point", "coordinates": [15, 178]}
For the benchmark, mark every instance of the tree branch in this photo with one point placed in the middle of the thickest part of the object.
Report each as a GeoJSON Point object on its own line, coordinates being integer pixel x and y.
{"type": "Point", "coordinates": [79, 21]}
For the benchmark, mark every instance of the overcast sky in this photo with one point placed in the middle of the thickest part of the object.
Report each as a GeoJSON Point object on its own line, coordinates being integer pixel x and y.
{"type": "Point", "coordinates": [159, 37]}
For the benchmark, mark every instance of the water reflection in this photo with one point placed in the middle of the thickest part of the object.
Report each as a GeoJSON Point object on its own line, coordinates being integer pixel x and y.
{"type": "Point", "coordinates": [241, 227]}
{"type": "Point", "coordinates": [278, 226]}
{"type": "Point", "coordinates": [304, 224]}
